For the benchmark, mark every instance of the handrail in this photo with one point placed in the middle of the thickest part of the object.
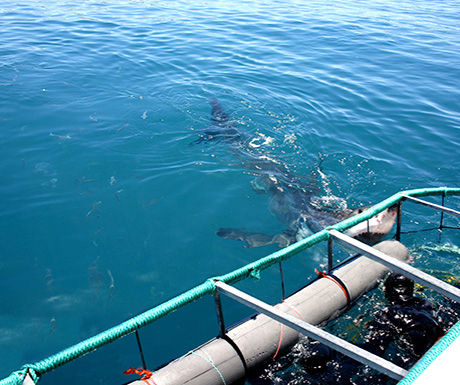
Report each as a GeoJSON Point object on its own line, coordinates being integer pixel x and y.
{"type": "Point", "coordinates": [207, 288]}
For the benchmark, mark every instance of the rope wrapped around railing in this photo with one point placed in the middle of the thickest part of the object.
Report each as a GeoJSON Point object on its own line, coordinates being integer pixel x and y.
{"type": "Point", "coordinates": [206, 288]}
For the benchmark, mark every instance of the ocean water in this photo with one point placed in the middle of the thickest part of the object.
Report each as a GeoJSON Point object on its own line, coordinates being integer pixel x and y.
{"type": "Point", "coordinates": [105, 208]}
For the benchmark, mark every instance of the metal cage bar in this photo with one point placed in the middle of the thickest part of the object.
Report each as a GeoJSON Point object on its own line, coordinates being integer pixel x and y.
{"type": "Point", "coordinates": [432, 205]}
{"type": "Point", "coordinates": [398, 266]}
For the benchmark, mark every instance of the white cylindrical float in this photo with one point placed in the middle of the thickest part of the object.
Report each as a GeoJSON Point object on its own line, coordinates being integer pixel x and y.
{"type": "Point", "coordinates": [255, 341]}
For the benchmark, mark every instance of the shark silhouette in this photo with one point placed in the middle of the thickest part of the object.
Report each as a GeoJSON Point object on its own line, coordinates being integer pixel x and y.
{"type": "Point", "coordinates": [296, 203]}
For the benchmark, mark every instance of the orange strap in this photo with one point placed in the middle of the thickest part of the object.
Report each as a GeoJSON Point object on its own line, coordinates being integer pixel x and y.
{"type": "Point", "coordinates": [338, 282]}
{"type": "Point", "coordinates": [142, 372]}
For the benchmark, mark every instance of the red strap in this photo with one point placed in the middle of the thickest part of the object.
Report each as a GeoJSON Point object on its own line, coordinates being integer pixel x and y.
{"type": "Point", "coordinates": [142, 372]}
{"type": "Point", "coordinates": [281, 332]}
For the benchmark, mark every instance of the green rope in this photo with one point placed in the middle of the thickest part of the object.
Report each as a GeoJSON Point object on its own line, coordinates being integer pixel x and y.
{"type": "Point", "coordinates": [255, 274]}
{"type": "Point", "coordinates": [206, 288]}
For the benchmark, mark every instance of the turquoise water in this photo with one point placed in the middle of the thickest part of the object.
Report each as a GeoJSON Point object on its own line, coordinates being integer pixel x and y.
{"type": "Point", "coordinates": [107, 211]}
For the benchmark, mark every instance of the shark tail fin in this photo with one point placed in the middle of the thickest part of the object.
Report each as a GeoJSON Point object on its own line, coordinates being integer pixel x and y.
{"type": "Point", "coordinates": [218, 115]}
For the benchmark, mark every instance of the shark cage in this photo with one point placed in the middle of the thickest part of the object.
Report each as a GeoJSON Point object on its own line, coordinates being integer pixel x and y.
{"type": "Point", "coordinates": [239, 351]}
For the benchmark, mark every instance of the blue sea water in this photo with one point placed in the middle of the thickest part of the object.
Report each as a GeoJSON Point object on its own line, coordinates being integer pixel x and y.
{"type": "Point", "coordinates": [105, 209]}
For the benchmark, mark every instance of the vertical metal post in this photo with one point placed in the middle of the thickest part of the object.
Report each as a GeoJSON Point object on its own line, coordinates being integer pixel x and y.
{"type": "Point", "coordinates": [282, 281]}
{"type": "Point", "coordinates": [368, 233]}
{"type": "Point", "coordinates": [398, 222]}
{"type": "Point", "coordinates": [442, 213]}
{"type": "Point", "coordinates": [140, 349]}
{"type": "Point", "coordinates": [220, 314]}
{"type": "Point", "coordinates": [330, 255]}
{"type": "Point", "coordinates": [442, 219]}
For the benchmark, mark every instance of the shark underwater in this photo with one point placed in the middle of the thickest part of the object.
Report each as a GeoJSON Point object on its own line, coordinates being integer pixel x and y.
{"type": "Point", "coordinates": [299, 205]}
